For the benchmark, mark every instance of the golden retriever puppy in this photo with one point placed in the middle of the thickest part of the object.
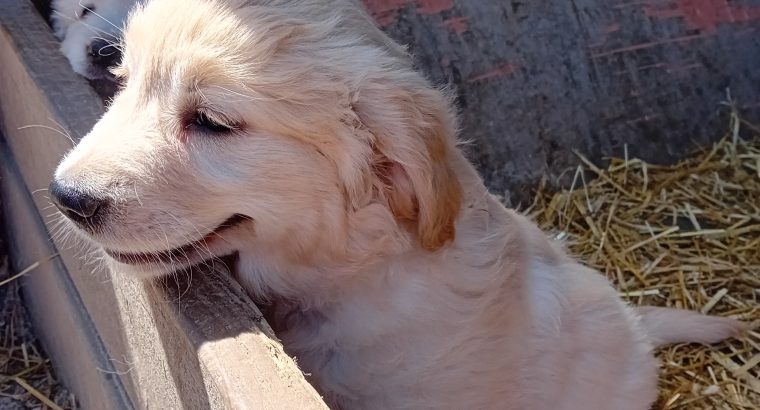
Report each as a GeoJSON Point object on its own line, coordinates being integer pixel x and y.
{"type": "Point", "coordinates": [298, 135]}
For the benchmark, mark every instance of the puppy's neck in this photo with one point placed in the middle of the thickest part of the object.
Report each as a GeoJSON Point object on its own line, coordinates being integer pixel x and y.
{"type": "Point", "coordinates": [372, 248]}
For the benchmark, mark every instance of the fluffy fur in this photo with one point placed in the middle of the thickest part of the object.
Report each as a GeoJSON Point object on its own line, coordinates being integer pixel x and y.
{"type": "Point", "coordinates": [77, 23]}
{"type": "Point", "coordinates": [397, 280]}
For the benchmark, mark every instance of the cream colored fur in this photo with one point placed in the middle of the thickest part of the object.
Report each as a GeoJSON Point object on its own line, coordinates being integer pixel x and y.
{"type": "Point", "coordinates": [397, 280]}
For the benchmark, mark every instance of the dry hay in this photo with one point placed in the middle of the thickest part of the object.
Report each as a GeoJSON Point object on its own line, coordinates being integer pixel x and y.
{"type": "Point", "coordinates": [26, 376]}
{"type": "Point", "coordinates": [685, 236]}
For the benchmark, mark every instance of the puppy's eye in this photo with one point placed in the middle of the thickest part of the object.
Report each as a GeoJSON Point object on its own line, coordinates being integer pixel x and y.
{"type": "Point", "coordinates": [90, 8]}
{"type": "Point", "coordinates": [203, 121]}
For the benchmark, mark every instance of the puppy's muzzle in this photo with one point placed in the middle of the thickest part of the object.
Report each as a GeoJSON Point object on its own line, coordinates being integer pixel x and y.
{"type": "Point", "coordinates": [81, 207]}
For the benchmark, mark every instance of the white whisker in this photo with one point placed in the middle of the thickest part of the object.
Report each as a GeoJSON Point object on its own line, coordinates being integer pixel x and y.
{"type": "Point", "coordinates": [94, 13]}
{"type": "Point", "coordinates": [63, 133]}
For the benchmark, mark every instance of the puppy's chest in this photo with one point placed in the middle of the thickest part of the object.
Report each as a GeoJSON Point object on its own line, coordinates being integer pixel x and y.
{"type": "Point", "coordinates": [355, 352]}
{"type": "Point", "coordinates": [339, 347]}
{"type": "Point", "coordinates": [351, 325]}
{"type": "Point", "coordinates": [404, 331]}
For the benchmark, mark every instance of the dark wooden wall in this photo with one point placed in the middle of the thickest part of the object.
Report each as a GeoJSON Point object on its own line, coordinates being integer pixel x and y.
{"type": "Point", "coordinates": [538, 78]}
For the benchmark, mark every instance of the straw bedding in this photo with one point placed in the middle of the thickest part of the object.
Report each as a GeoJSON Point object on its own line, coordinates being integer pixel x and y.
{"type": "Point", "coordinates": [27, 380]}
{"type": "Point", "coordinates": [685, 236]}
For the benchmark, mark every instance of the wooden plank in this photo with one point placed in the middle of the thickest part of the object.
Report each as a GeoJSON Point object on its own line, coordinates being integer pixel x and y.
{"type": "Point", "coordinates": [162, 348]}
{"type": "Point", "coordinates": [235, 342]}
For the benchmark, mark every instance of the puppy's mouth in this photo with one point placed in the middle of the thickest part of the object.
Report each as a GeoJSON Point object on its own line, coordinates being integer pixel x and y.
{"type": "Point", "coordinates": [184, 253]}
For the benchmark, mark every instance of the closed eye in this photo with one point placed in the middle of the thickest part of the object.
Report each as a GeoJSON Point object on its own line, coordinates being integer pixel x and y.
{"type": "Point", "coordinates": [213, 123]}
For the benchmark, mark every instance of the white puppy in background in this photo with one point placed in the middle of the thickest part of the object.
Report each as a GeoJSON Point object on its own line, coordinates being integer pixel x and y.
{"type": "Point", "coordinates": [87, 30]}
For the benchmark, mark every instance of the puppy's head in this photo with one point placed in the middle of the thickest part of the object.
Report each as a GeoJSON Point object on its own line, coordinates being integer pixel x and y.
{"type": "Point", "coordinates": [270, 126]}
{"type": "Point", "coordinates": [90, 31]}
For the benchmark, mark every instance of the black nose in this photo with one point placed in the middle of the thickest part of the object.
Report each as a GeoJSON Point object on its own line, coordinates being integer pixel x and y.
{"type": "Point", "coordinates": [77, 205]}
{"type": "Point", "coordinates": [103, 53]}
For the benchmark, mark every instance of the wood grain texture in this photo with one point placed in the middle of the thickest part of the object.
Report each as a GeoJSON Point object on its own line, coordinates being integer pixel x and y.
{"type": "Point", "coordinates": [234, 342]}
{"type": "Point", "coordinates": [536, 79]}
{"type": "Point", "coordinates": [159, 348]}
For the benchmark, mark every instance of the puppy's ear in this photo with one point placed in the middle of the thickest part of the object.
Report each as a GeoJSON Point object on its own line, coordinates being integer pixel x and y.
{"type": "Point", "coordinates": [414, 138]}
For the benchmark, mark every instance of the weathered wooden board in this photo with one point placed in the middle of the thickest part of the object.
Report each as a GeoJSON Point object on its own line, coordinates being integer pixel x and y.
{"type": "Point", "coordinates": [536, 79]}
{"type": "Point", "coordinates": [119, 342]}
